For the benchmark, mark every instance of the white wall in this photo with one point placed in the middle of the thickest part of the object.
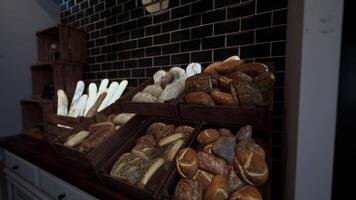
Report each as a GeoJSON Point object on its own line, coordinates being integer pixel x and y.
{"type": "Point", "coordinates": [19, 22]}
{"type": "Point", "coordinates": [312, 71]}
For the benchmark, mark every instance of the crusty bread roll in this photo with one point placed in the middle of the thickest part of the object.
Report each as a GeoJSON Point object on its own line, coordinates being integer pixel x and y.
{"type": "Point", "coordinates": [208, 136]}
{"type": "Point", "coordinates": [186, 130]}
{"type": "Point", "coordinates": [204, 178]}
{"type": "Point", "coordinates": [246, 193]}
{"type": "Point", "coordinates": [144, 97]}
{"type": "Point", "coordinates": [188, 189]}
{"type": "Point", "coordinates": [217, 189]}
{"type": "Point", "coordinates": [173, 149]}
{"type": "Point", "coordinates": [201, 98]}
{"type": "Point", "coordinates": [151, 170]}
{"type": "Point", "coordinates": [155, 90]}
{"type": "Point", "coordinates": [76, 138]}
{"type": "Point", "coordinates": [187, 162]}
{"type": "Point", "coordinates": [170, 138]}
{"type": "Point", "coordinates": [222, 98]}
{"type": "Point", "coordinates": [210, 163]}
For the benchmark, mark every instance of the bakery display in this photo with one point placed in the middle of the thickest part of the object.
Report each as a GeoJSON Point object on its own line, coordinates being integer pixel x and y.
{"type": "Point", "coordinates": [158, 144]}
{"type": "Point", "coordinates": [228, 165]}
{"type": "Point", "coordinates": [231, 82]}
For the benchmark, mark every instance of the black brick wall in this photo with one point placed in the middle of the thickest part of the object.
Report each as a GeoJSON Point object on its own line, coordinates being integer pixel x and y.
{"type": "Point", "coordinates": [126, 42]}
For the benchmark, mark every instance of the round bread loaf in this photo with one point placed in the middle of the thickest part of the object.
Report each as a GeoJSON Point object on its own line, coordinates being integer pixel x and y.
{"type": "Point", "coordinates": [187, 162]}
{"type": "Point", "coordinates": [208, 136]}
{"type": "Point", "coordinates": [217, 189]}
{"type": "Point", "coordinates": [246, 193]}
{"type": "Point", "coordinates": [228, 67]}
{"type": "Point", "coordinates": [222, 98]}
{"type": "Point", "coordinates": [200, 98]}
{"type": "Point", "coordinates": [247, 93]}
{"type": "Point", "coordinates": [188, 189]}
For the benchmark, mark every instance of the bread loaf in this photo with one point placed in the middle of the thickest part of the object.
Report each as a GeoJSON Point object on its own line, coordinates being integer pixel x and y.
{"type": "Point", "coordinates": [76, 138]}
{"type": "Point", "coordinates": [79, 89]}
{"type": "Point", "coordinates": [92, 95]}
{"type": "Point", "coordinates": [228, 67]}
{"type": "Point", "coordinates": [186, 130]}
{"type": "Point", "coordinates": [244, 133]}
{"type": "Point", "coordinates": [122, 118]}
{"type": "Point", "coordinates": [170, 138]}
{"type": "Point", "coordinates": [224, 148]}
{"type": "Point", "coordinates": [188, 189]}
{"type": "Point", "coordinates": [187, 162]}
{"type": "Point", "coordinates": [144, 151]}
{"type": "Point", "coordinates": [163, 131]}
{"type": "Point", "coordinates": [120, 89]}
{"type": "Point", "coordinates": [212, 164]}
{"type": "Point", "coordinates": [110, 93]}
{"type": "Point", "coordinates": [208, 148]}
{"type": "Point", "coordinates": [199, 83]}
{"type": "Point", "coordinates": [252, 69]}
{"type": "Point", "coordinates": [247, 93]}
{"type": "Point", "coordinates": [232, 58]}
{"type": "Point", "coordinates": [151, 170]}
{"type": "Point", "coordinates": [208, 136]}
{"type": "Point", "coordinates": [178, 73]}
{"type": "Point", "coordinates": [62, 108]}
{"type": "Point", "coordinates": [211, 69]}
{"type": "Point", "coordinates": [200, 98]}
{"type": "Point", "coordinates": [226, 132]}
{"type": "Point", "coordinates": [192, 69]}
{"type": "Point", "coordinates": [171, 91]}
{"type": "Point", "coordinates": [91, 112]}
{"type": "Point", "coordinates": [156, 127]}
{"type": "Point", "coordinates": [222, 98]}
{"type": "Point", "coordinates": [167, 79]}
{"type": "Point", "coordinates": [217, 189]}
{"type": "Point", "coordinates": [173, 149]}
{"type": "Point", "coordinates": [147, 140]}
{"type": "Point", "coordinates": [246, 193]}
{"type": "Point", "coordinates": [237, 75]}
{"type": "Point", "coordinates": [144, 97]}
{"type": "Point", "coordinates": [233, 181]}
{"type": "Point", "coordinates": [264, 81]}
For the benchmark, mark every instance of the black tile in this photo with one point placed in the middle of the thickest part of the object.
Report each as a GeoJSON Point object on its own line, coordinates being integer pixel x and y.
{"type": "Point", "coordinates": [180, 59]}
{"type": "Point", "coordinates": [182, 2]}
{"type": "Point", "coordinates": [253, 51]}
{"type": "Point", "coordinates": [244, 9]}
{"type": "Point", "coordinates": [89, 11]}
{"type": "Point", "coordinates": [99, 7]}
{"type": "Point", "coordinates": [256, 21]}
{"type": "Point", "coordinates": [124, 73]}
{"type": "Point", "coordinates": [75, 9]}
{"type": "Point", "coordinates": [91, 76]}
{"type": "Point", "coordinates": [222, 54]}
{"type": "Point", "coordinates": [144, 42]}
{"type": "Point", "coordinates": [94, 35]}
{"type": "Point", "coordinates": [214, 16]}
{"type": "Point", "coordinates": [111, 21]}
{"type": "Point", "coordinates": [151, 30]}
{"type": "Point", "coordinates": [116, 10]}
{"type": "Point", "coordinates": [153, 51]}
{"type": "Point", "coordinates": [265, 5]}
{"type": "Point", "coordinates": [113, 74]}
{"type": "Point", "coordinates": [131, 64]}
{"type": "Point", "coordinates": [100, 59]}
{"type": "Point", "coordinates": [138, 53]}
{"type": "Point", "coordinates": [129, 44]}
{"type": "Point", "coordinates": [180, 35]}
{"type": "Point", "coordinates": [214, 42]}
{"type": "Point", "coordinates": [123, 17]}
{"type": "Point", "coordinates": [202, 6]}
{"type": "Point", "coordinates": [84, 21]}
{"type": "Point", "coordinates": [170, 48]}
{"type": "Point", "coordinates": [161, 17]}
{"type": "Point", "coordinates": [278, 109]}
{"type": "Point", "coordinates": [124, 55]}
{"type": "Point", "coordinates": [111, 57]}
{"type": "Point", "coordinates": [110, 3]}
{"type": "Point", "coordinates": [138, 73]}
{"type": "Point", "coordinates": [96, 67]}
{"type": "Point", "coordinates": [144, 21]}
{"type": "Point", "coordinates": [151, 71]}
{"type": "Point", "coordinates": [161, 39]}
{"type": "Point", "coordinates": [124, 36]}
{"type": "Point", "coordinates": [136, 13]}
{"type": "Point", "coordinates": [99, 42]}
{"type": "Point", "coordinates": [130, 25]}
{"type": "Point", "coordinates": [190, 45]}
{"type": "Point", "coordinates": [277, 122]}
{"type": "Point", "coordinates": [247, 37]}
{"type": "Point", "coordinates": [201, 56]}
{"type": "Point", "coordinates": [117, 28]}
{"type": "Point", "coordinates": [137, 33]}
{"type": "Point", "coordinates": [161, 60]}
{"type": "Point", "coordinates": [271, 34]}
{"type": "Point", "coordinates": [92, 2]}
{"type": "Point", "coordinates": [129, 5]}
{"type": "Point", "coordinates": [194, 20]}
{"type": "Point", "coordinates": [91, 59]}
{"type": "Point", "coordinates": [106, 66]}
{"type": "Point", "coordinates": [280, 17]}
{"type": "Point", "coordinates": [118, 65]}
{"type": "Point", "coordinates": [101, 75]}
{"type": "Point", "coordinates": [278, 48]}
{"type": "Point", "coordinates": [227, 27]}
{"type": "Point", "coordinates": [100, 24]}
{"type": "Point", "coordinates": [180, 12]}
{"type": "Point", "coordinates": [170, 26]}
{"type": "Point", "coordinates": [278, 62]}
{"type": "Point", "coordinates": [202, 31]}
{"type": "Point", "coordinates": [111, 39]}
{"type": "Point", "coordinates": [105, 32]}
{"type": "Point", "coordinates": [145, 62]}
{"type": "Point", "coordinates": [279, 79]}
{"type": "Point", "coordinates": [222, 3]}
{"type": "Point", "coordinates": [104, 14]}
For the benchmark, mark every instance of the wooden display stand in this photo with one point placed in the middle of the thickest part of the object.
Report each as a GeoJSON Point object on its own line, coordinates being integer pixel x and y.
{"type": "Point", "coordinates": [61, 58]}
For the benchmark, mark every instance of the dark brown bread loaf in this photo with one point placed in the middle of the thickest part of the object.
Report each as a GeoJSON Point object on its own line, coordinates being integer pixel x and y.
{"type": "Point", "coordinates": [200, 98]}
{"type": "Point", "coordinates": [99, 133]}
{"type": "Point", "coordinates": [222, 98]}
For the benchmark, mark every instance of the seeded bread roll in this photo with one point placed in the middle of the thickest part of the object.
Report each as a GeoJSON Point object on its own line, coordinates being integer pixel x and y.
{"type": "Point", "coordinates": [222, 98]}
{"type": "Point", "coordinates": [144, 97]}
{"type": "Point", "coordinates": [246, 193]}
{"type": "Point", "coordinates": [208, 136]}
{"type": "Point", "coordinates": [166, 131]}
{"type": "Point", "coordinates": [212, 164]}
{"type": "Point", "coordinates": [188, 189]}
{"type": "Point", "coordinates": [200, 98]}
{"type": "Point", "coordinates": [156, 127]}
{"type": "Point", "coordinates": [247, 93]}
{"type": "Point", "coordinates": [99, 133]}
{"type": "Point", "coordinates": [155, 90]}
{"type": "Point", "coordinates": [199, 83]}
{"type": "Point", "coordinates": [217, 190]}
{"type": "Point", "coordinates": [187, 162]}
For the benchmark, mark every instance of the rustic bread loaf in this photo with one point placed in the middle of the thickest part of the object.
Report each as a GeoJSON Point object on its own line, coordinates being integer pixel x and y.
{"type": "Point", "coordinates": [200, 98]}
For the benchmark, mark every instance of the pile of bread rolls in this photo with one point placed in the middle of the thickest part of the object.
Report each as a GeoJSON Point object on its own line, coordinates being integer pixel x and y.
{"type": "Point", "coordinates": [230, 83]}
{"type": "Point", "coordinates": [226, 167]}
{"type": "Point", "coordinates": [88, 104]}
{"type": "Point", "coordinates": [167, 85]}
{"type": "Point", "coordinates": [86, 140]}
{"type": "Point", "coordinates": [158, 146]}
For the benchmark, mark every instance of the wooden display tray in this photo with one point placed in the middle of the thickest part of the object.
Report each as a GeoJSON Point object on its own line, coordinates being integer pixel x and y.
{"type": "Point", "coordinates": [151, 191]}
{"type": "Point", "coordinates": [167, 109]}
{"type": "Point", "coordinates": [260, 136]}
{"type": "Point", "coordinates": [102, 151]}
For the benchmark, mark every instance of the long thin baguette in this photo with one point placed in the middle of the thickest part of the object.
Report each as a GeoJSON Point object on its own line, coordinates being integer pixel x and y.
{"type": "Point", "coordinates": [75, 139]}
{"type": "Point", "coordinates": [77, 94]}
{"type": "Point", "coordinates": [92, 92]}
{"type": "Point", "coordinates": [96, 105]}
{"type": "Point", "coordinates": [169, 139]}
{"type": "Point", "coordinates": [152, 169]}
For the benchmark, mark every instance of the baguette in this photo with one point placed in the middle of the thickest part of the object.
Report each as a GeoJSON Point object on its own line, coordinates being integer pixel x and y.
{"type": "Point", "coordinates": [92, 92]}
{"type": "Point", "coordinates": [76, 138]}
{"type": "Point", "coordinates": [79, 89]}
{"type": "Point", "coordinates": [91, 112]}
{"type": "Point", "coordinates": [62, 109]}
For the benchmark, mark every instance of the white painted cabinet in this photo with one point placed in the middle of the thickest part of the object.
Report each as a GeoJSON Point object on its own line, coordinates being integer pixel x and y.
{"type": "Point", "coordinates": [26, 181]}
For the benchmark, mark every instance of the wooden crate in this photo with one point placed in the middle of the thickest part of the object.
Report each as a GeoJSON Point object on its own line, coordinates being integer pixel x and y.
{"type": "Point", "coordinates": [42, 76]}
{"type": "Point", "coordinates": [166, 109]}
{"type": "Point", "coordinates": [66, 76]}
{"type": "Point", "coordinates": [151, 191]}
{"type": "Point", "coordinates": [69, 43]}
{"type": "Point", "coordinates": [261, 137]}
